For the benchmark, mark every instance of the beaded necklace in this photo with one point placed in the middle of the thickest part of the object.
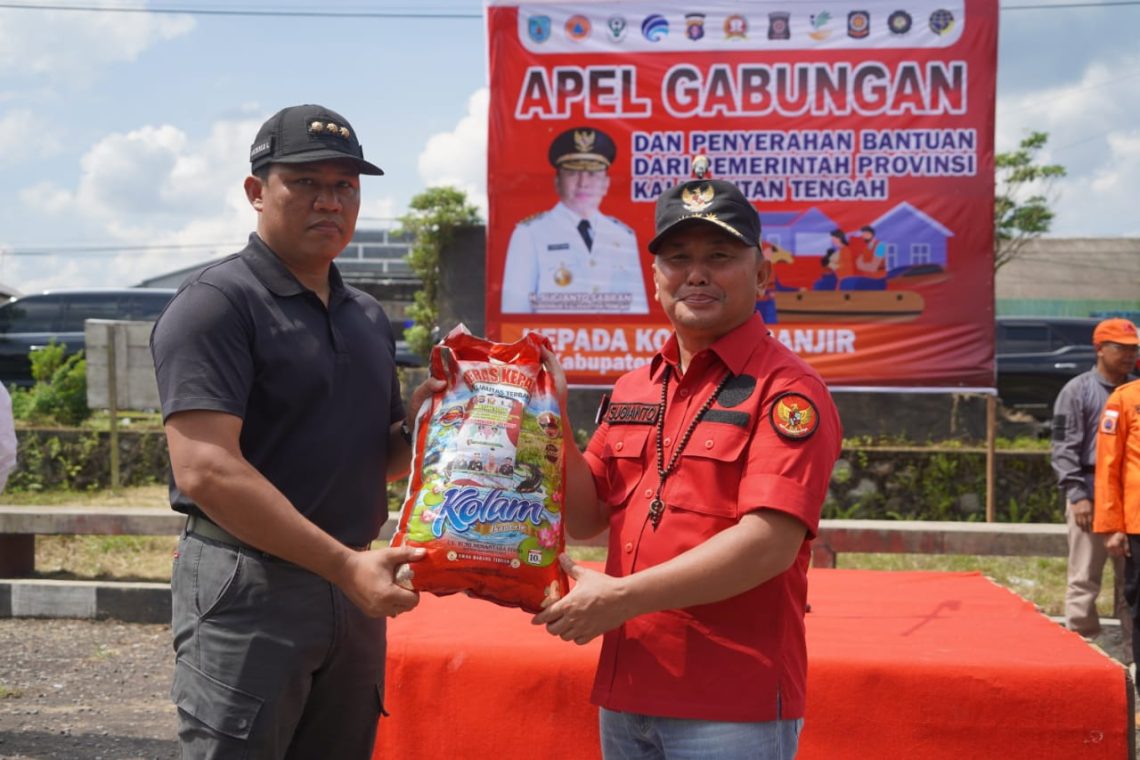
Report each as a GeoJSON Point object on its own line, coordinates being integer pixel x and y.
{"type": "Point", "coordinates": [657, 507]}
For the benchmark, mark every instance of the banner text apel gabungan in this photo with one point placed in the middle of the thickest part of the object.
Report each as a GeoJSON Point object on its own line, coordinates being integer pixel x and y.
{"type": "Point", "coordinates": [863, 136]}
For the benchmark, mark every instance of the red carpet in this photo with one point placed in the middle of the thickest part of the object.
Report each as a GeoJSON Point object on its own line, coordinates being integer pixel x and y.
{"type": "Point", "coordinates": [902, 665]}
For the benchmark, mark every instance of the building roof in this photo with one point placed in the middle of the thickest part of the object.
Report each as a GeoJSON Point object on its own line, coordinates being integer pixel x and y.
{"type": "Point", "coordinates": [1102, 269]}
{"type": "Point", "coordinates": [373, 256]}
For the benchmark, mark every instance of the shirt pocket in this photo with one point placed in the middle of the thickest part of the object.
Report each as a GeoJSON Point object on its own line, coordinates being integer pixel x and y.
{"type": "Point", "coordinates": [706, 480]}
{"type": "Point", "coordinates": [624, 457]}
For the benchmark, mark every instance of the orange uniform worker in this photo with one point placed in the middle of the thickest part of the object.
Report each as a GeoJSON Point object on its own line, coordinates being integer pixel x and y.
{"type": "Point", "coordinates": [1117, 492]}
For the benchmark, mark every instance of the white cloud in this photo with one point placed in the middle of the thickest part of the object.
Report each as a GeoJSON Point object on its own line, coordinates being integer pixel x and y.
{"type": "Point", "coordinates": [1097, 196]}
{"type": "Point", "coordinates": [379, 212]}
{"type": "Point", "coordinates": [46, 198]}
{"type": "Point", "coordinates": [1103, 202]}
{"type": "Point", "coordinates": [459, 157]}
{"type": "Point", "coordinates": [25, 136]}
{"type": "Point", "coordinates": [80, 43]}
{"type": "Point", "coordinates": [172, 199]}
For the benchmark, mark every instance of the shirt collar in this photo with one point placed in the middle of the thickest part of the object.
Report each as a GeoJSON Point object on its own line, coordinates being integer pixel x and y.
{"type": "Point", "coordinates": [571, 215]}
{"type": "Point", "coordinates": [734, 349]}
{"type": "Point", "coordinates": [1095, 372]}
{"type": "Point", "coordinates": [274, 275]}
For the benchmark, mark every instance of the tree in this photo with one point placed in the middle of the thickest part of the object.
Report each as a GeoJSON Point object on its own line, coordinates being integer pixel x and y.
{"type": "Point", "coordinates": [432, 220]}
{"type": "Point", "coordinates": [60, 390]}
{"type": "Point", "coordinates": [1022, 197]}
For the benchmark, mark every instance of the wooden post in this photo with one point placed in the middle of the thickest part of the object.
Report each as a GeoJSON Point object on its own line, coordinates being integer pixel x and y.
{"type": "Point", "coordinates": [113, 405]}
{"type": "Point", "coordinates": [991, 453]}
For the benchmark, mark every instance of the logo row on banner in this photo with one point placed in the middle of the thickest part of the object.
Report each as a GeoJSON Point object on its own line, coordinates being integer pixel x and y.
{"type": "Point", "coordinates": [557, 29]}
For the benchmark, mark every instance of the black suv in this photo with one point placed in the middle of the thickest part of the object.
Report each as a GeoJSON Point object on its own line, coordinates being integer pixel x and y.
{"type": "Point", "coordinates": [33, 321]}
{"type": "Point", "coordinates": [1036, 356]}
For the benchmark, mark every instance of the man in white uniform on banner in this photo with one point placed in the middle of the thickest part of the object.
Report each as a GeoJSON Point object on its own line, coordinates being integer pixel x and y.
{"type": "Point", "coordinates": [573, 258]}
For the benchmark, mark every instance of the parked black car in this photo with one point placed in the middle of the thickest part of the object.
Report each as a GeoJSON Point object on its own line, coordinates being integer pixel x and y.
{"type": "Point", "coordinates": [34, 321]}
{"type": "Point", "coordinates": [1036, 356]}
{"type": "Point", "coordinates": [405, 357]}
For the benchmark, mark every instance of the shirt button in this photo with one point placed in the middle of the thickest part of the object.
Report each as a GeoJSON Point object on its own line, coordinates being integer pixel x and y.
{"type": "Point", "coordinates": [243, 722]}
{"type": "Point", "coordinates": [708, 444]}
{"type": "Point", "coordinates": [628, 547]}
{"type": "Point", "coordinates": [667, 441]}
{"type": "Point", "coordinates": [683, 393]}
{"type": "Point", "coordinates": [648, 493]}
{"type": "Point", "coordinates": [619, 445]}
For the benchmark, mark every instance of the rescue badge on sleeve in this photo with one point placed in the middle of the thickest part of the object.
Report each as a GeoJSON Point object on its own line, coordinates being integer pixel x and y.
{"type": "Point", "coordinates": [1108, 421]}
{"type": "Point", "coordinates": [793, 416]}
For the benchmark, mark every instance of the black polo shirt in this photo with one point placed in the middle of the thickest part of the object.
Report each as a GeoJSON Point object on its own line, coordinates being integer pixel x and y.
{"type": "Point", "coordinates": [316, 388]}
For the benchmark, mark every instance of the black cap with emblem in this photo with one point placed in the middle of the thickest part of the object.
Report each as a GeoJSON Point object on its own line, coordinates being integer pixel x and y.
{"type": "Point", "coordinates": [711, 201]}
{"type": "Point", "coordinates": [582, 148]}
{"type": "Point", "coordinates": [302, 134]}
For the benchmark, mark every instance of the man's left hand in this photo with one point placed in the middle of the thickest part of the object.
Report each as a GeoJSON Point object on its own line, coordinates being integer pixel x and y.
{"type": "Point", "coordinates": [595, 605]}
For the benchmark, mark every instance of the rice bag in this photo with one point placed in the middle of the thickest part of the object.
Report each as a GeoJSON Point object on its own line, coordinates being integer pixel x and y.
{"type": "Point", "coordinates": [487, 485]}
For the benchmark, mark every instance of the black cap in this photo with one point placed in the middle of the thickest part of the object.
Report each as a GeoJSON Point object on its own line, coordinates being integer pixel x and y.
{"type": "Point", "coordinates": [712, 201]}
{"type": "Point", "coordinates": [302, 134]}
{"type": "Point", "coordinates": [582, 148]}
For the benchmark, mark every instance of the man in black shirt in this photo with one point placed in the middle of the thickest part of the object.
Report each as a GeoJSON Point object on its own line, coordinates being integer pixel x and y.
{"type": "Point", "coordinates": [284, 419]}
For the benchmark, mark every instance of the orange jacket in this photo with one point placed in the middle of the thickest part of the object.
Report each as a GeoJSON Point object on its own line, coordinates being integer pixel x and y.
{"type": "Point", "coordinates": [1118, 463]}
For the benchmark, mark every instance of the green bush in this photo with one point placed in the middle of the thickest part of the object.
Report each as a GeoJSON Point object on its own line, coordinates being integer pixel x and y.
{"type": "Point", "coordinates": [80, 460]}
{"type": "Point", "coordinates": [940, 484]}
{"type": "Point", "coordinates": [60, 391]}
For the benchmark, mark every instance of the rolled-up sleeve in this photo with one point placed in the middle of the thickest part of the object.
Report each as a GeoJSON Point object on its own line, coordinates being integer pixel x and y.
{"type": "Point", "coordinates": [790, 475]}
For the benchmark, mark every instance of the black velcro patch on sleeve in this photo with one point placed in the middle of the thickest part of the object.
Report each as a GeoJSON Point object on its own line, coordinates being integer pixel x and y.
{"type": "Point", "coordinates": [740, 419]}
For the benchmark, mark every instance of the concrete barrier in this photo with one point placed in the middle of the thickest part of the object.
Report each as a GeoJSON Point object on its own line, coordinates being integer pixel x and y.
{"type": "Point", "coordinates": [24, 596]}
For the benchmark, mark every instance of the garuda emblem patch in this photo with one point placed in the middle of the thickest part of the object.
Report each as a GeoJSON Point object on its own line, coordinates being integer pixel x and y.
{"type": "Point", "coordinates": [794, 416]}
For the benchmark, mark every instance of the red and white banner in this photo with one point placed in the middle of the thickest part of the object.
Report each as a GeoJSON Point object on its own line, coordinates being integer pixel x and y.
{"type": "Point", "coordinates": [862, 133]}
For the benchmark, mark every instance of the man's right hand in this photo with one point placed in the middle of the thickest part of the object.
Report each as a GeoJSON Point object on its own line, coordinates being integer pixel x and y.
{"type": "Point", "coordinates": [1116, 544]}
{"type": "Point", "coordinates": [370, 581]}
{"type": "Point", "coordinates": [1082, 513]}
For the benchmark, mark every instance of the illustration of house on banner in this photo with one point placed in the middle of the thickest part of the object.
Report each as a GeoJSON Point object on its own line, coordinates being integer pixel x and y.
{"type": "Point", "coordinates": [911, 237]}
{"type": "Point", "coordinates": [803, 233]}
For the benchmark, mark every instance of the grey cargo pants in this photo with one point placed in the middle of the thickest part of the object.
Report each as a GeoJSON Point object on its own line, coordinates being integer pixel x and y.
{"type": "Point", "coordinates": [271, 661]}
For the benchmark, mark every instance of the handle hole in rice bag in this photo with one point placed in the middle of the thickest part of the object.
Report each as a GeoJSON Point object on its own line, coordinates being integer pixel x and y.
{"type": "Point", "coordinates": [488, 477]}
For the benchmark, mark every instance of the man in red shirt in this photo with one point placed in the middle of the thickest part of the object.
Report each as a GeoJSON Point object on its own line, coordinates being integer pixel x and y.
{"type": "Point", "coordinates": [709, 468]}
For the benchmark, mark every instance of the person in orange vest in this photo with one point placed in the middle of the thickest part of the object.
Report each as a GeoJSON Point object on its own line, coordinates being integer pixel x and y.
{"type": "Point", "coordinates": [1116, 512]}
{"type": "Point", "coordinates": [873, 262]}
{"type": "Point", "coordinates": [843, 256]}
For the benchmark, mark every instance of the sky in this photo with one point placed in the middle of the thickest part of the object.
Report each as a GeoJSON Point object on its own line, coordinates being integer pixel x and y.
{"type": "Point", "coordinates": [124, 136]}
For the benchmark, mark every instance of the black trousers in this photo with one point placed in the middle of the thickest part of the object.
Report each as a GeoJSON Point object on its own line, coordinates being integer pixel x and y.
{"type": "Point", "coordinates": [1132, 587]}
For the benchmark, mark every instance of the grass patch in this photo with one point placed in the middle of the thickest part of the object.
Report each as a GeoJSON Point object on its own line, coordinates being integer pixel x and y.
{"type": "Point", "coordinates": [135, 496]}
{"type": "Point", "coordinates": [1041, 580]}
{"type": "Point", "coordinates": [119, 558]}
{"type": "Point", "coordinates": [587, 553]}
{"type": "Point", "coordinates": [7, 692]}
